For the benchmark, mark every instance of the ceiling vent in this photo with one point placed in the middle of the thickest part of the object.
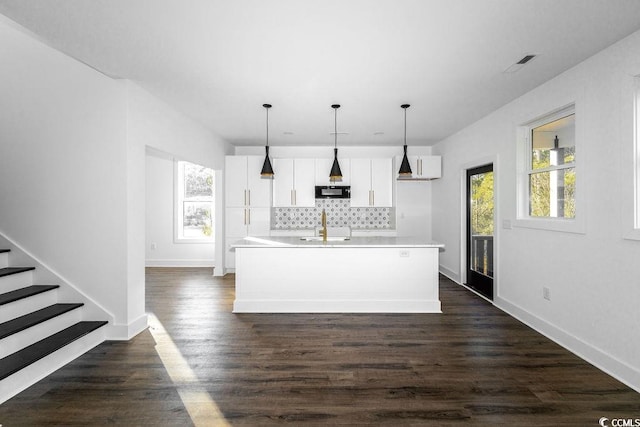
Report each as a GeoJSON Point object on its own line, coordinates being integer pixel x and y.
{"type": "Point", "coordinates": [521, 63]}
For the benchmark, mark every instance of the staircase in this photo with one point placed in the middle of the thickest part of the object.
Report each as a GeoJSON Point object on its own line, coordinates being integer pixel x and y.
{"type": "Point", "coordinates": [38, 333]}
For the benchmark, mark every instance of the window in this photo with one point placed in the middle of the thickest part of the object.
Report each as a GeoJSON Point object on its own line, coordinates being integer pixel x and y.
{"type": "Point", "coordinates": [552, 174]}
{"type": "Point", "coordinates": [636, 159]}
{"type": "Point", "coordinates": [194, 202]}
{"type": "Point", "coordinates": [547, 173]}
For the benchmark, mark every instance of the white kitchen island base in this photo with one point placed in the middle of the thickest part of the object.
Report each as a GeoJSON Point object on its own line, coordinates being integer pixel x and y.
{"type": "Point", "coordinates": [383, 276]}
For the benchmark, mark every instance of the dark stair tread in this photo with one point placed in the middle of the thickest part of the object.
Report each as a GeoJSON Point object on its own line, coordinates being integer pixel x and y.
{"type": "Point", "coordinates": [28, 320]}
{"type": "Point", "coordinates": [22, 293]}
{"type": "Point", "coordinates": [7, 271]}
{"type": "Point", "coordinates": [4, 250]}
{"type": "Point", "coordinates": [31, 354]}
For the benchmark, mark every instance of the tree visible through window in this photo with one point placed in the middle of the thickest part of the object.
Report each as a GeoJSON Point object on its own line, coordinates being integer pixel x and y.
{"type": "Point", "coordinates": [195, 201]}
{"type": "Point", "coordinates": [552, 174]}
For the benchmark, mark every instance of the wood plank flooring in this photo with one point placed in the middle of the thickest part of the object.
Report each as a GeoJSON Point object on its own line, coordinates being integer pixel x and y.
{"type": "Point", "coordinates": [199, 364]}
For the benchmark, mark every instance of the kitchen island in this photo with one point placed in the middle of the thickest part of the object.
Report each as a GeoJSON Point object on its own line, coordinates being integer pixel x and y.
{"type": "Point", "coordinates": [358, 275]}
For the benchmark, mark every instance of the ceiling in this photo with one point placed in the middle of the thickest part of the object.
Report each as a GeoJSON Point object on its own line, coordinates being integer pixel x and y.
{"type": "Point", "coordinates": [218, 61]}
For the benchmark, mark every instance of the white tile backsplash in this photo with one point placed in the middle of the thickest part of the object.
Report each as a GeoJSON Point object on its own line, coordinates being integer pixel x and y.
{"type": "Point", "coordinates": [339, 214]}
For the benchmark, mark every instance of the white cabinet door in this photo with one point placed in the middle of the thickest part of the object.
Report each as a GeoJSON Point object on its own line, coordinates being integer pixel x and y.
{"type": "Point", "coordinates": [283, 183]}
{"type": "Point", "coordinates": [235, 180]}
{"type": "Point", "coordinates": [381, 182]}
{"type": "Point", "coordinates": [236, 222]}
{"type": "Point", "coordinates": [360, 182]}
{"type": "Point", "coordinates": [323, 167]}
{"type": "Point", "coordinates": [259, 189]}
{"type": "Point", "coordinates": [427, 167]}
{"type": "Point", "coordinates": [294, 182]}
{"type": "Point", "coordinates": [372, 182]}
{"type": "Point", "coordinates": [243, 184]}
{"type": "Point", "coordinates": [258, 221]}
{"type": "Point", "coordinates": [304, 182]}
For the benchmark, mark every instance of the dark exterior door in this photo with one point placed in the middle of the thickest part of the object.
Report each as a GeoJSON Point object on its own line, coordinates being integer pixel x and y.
{"type": "Point", "coordinates": [480, 202]}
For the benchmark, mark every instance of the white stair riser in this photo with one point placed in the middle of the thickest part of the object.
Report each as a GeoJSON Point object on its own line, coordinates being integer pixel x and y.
{"type": "Point", "coordinates": [16, 281]}
{"type": "Point", "coordinates": [22, 339]}
{"type": "Point", "coordinates": [25, 378]}
{"type": "Point", "coordinates": [27, 305]}
{"type": "Point", "coordinates": [4, 259]}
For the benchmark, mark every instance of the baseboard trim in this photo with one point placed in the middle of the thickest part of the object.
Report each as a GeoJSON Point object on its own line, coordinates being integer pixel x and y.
{"type": "Point", "coordinates": [122, 332]}
{"type": "Point", "coordinates": [598, 358]}
{"type": "Point", "coordinates": [179, 263]}
{"type": "Point", "coordinates": [450, 274]}
{"type": "Point", "coordinates": [336, 306]}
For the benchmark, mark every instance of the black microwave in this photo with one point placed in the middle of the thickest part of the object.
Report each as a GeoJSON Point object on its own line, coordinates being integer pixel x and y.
{"type": "Point", "coordinates": [333, 192]}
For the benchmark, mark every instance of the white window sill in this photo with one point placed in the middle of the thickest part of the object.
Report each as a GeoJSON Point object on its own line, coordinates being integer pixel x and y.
{"type": "Point", "coordinates": [633, 234]}
{"type": "Point", "coordinates": [552, 224]}
{"type": "Point", "coordinates": [192, 241]}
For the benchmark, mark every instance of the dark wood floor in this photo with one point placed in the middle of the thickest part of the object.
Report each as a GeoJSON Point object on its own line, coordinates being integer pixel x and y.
{"type": "Point", "coordinates": [199, 364]}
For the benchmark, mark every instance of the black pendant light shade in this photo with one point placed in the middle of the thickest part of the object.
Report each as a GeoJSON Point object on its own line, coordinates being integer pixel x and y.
{"type": "Point", "coordinates": [405, 167]}
{"type": "Point", "coordinates": [267, 169]}
{"type": "Point", "coordinates": [336, 174]}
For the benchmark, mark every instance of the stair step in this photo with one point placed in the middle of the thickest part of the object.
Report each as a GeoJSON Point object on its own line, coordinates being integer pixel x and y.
{"type": "Point", "coordinates": [8, 271]}
{"type": "Point", "coordinates": [28, 320]}
{"type": "Point", "coordinates": [29, 291]}
{"type": "Point", "coordinates": [31, 354]}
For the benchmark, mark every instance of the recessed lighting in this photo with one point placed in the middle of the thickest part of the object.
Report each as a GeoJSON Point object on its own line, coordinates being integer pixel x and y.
{"type": "Point", "coordinates": [378, 133]}
{"type": "Point", "coordinates": [338, 133]}
{"type": "Point", "coordinates": [287, 133]}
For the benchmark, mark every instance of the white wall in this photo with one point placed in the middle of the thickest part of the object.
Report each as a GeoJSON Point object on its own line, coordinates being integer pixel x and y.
{"type": "Point", "coordinates": [72, 170]}
{"type": "Point", "coordinates": [593, 277]}
{"type": "Point", "coordinates": [160, 220]}
{"type": "Point", "coordinates": [62, 138]}
{"type": "Point", "coordinates": [153, 123]}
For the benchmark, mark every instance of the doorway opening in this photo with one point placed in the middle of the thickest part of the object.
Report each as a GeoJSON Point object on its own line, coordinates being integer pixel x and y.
{"type": "Point", "coordinates": [479, 236]}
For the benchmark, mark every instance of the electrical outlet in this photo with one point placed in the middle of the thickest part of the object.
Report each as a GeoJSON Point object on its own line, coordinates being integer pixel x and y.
{"type": "Point", "coordinates": [404, 254]}
{"type": "Point", "coordinates": [154, 246]}
{"type": "Point", "coordinates": [546, 293]}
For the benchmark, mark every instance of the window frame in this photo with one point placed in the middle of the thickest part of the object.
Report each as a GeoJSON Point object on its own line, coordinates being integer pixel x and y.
{"type": "Point", "coordinates": [632, 208]}
{"type": "Point", "coordinates": [179, 200]}
{"type": "Point", "coordinates": [525, 169]}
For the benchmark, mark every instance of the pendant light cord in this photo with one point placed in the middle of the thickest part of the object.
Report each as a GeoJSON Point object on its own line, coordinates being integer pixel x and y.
{"type": "Point", "coordinates": [335, 127]}
{"type": "Point", "coordinates": [405, 126]}
{"type": "Point", "coordinates": [268, 126]}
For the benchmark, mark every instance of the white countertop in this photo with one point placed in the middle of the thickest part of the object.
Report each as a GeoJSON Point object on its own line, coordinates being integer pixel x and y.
{"type": "Point", "coordinates": [354, 242]}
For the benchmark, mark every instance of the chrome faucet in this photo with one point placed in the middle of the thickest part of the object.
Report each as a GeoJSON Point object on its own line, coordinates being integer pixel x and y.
{"type": "Point", "coordinates": [323, 232]}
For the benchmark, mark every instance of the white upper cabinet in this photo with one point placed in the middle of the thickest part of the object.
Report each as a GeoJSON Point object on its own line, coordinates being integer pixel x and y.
{"type": "Point", "coordinates": [294, 182]}
{"type": "Point", "coordinates": [426, 167]}
{"type": "Point", "coordinates": [323, 167]}
{"type": "Point", "coordinates": [243, 185]}
{"type": "Point", "coordinates": [372, 182]}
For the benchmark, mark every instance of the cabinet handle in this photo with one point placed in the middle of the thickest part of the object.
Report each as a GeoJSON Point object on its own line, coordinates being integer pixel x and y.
{"type": "Point", "coordinates": [419, 167]}
{"type": "Point", "coordinates": [248, 216]}
{"type": "Point", "coordinates": [249, 197]}
{"type": "Point", "coordinates": [245, 217]}
{"type": "Point", "coordinates": [245, 197]}
{"type": "Point", "coordinates": [373, 197]}
{"type": "Point", "coordinates": [292, 202]}
{"type": "Point", "coordinates": [295, 197]}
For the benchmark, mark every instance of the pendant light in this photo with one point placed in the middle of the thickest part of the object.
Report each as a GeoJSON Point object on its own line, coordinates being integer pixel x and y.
{"type": "Point", "coordinates": [336, 174]}
{"type": "Point", "coordinates": [405, 167]}
{"type": "Point", "coordinates": [267, 170]}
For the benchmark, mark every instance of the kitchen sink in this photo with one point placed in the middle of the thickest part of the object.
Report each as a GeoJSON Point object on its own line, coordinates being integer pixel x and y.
{"type": "Point", "coordinates": [329, 239]}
